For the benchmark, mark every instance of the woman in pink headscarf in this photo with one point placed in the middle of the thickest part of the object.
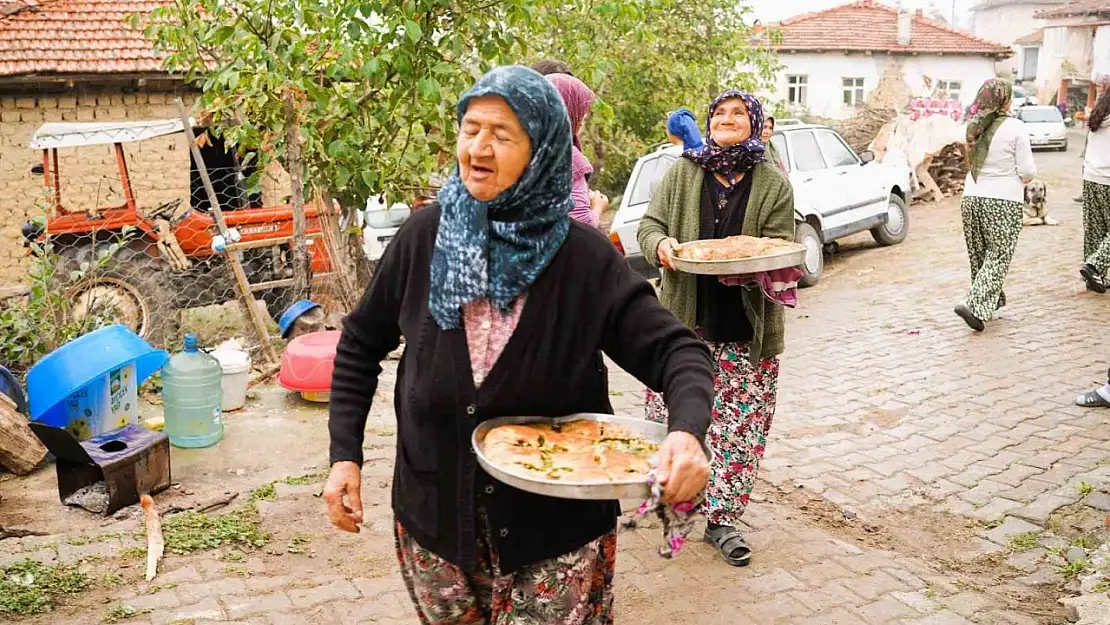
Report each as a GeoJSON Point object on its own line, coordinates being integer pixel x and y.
{"type": "Point", "coordinates": [588, 205]}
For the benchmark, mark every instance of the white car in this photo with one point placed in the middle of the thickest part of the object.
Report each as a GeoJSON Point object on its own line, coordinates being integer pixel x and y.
{"type": "Point", "coordinates": [836, 193]}
{"type": "Point", "coordinates": [1021, 98]}
{"type": "Point", "coordinates": [1045, 126]}
{"type": "Point", "coordinates": [379, 225]}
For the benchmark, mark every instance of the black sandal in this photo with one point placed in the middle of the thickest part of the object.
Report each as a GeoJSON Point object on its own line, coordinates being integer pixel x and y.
{"type": "Point", "coordinates": [1094, 281]}
{"type": "Point", "coordinates": [969, 318]}
{"type": "Point", "coordinates": [1092, 399]}
{"type": "Point", "coordinates": [730, 543]}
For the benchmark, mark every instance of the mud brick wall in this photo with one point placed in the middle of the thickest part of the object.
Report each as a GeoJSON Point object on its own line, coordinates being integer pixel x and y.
{"type": "Point", "coordinates": [159, 168]}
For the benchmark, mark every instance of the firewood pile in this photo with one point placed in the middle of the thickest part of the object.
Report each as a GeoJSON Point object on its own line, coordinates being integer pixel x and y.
{"type": "Point", "coordinates": [860, 130]}
{"type": "Point", "coordinates": [948, 170]}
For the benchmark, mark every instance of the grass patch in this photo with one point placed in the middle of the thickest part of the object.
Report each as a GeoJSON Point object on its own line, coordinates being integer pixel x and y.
{"type": "Point", "coordinates": [1023, 542]}
{"type": "Point", "coordinates": [304, 480]}
{"type": "Point", "coordinates": [263, 493]}
{"type": "Point", "coordinates": [1085, 488]}
{"type": "Point", "coordinates": [299, 544]}
{"type": "Point", "coordinates": [122, 613]}
{"type": "Point", "coordinates": [993, 524]}
{"type": "Point", "coordinates": [190, 532]}
{"type": "Point", "coordinates": [233, 556]}
{"type": "Point", "coordinates": [78, 541]}
{"type": "Point", "coordinates": [29, 587]}
{"type": "Point", "coordinates": [111, 580]}
{"type": "Point", "coordinates": [1103, 586]}
{"type": "Point", "coordinates": [1071, 569]}
{"type": "Point", "coordinates": [133, 553]}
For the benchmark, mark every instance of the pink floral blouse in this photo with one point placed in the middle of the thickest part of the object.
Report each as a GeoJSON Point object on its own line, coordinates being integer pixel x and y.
{"type": "Point", "coordinates": [487, 332]}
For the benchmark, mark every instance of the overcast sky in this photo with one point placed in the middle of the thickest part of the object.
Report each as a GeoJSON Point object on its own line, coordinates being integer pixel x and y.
{"type": "Point", "coordinates": [774, 10]}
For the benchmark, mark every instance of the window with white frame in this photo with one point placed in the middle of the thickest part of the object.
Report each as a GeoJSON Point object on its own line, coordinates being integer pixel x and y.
{"type": "Point", "coordinates": [1060, 38]}
{"type": "Point", "coordinates": [797, 89]}
{"type": "Point", "coordinates": [949, 89]}
{"type": "Point", "coordinates": [853, 91]}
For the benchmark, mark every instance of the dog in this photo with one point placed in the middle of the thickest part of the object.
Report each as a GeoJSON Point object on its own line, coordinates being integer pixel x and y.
{"type": "Point", "coordinates": [1036, 205]}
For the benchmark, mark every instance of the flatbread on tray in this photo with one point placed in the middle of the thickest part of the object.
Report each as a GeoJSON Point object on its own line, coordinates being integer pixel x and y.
{"type": "Point", "coordinates": [733, 248]}
{"type": "Point", "coordinates": [579, 451]}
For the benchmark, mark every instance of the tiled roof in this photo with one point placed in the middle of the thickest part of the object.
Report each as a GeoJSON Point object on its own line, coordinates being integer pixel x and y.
{"type": "Point", "coordinates": [1033, 38]}
{"type": "Point", "coordinates": [75, 37]}
{"type": "Point", "coordinates": [868, 25]}
{"type": "Point", "coordinates": [993, 4]}
{"type": "Point", "coordinates": [1078, 8]}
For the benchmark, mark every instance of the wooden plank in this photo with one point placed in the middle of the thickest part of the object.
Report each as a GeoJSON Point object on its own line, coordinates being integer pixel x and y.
{"type": "Point", "coordinates": [319, 278]}
{"type": "Point", "coordinates": [252, 245]}
{"type": "Point", "coordinates": [246, 295]}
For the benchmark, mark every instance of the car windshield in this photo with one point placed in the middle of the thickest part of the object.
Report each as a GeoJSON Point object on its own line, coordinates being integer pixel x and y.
{"type": "Point", "coordinates": [651, 172]}
{"type": "Point", "coordinates": [1040, 115]}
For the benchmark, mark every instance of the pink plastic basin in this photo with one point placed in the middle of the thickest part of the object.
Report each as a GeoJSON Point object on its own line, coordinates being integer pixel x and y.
{"type": "Point", "coordinates": [308, 361]}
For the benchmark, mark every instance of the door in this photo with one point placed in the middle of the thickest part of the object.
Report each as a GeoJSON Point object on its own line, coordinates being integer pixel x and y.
{"type": "Point", "coordinates": [1029, 63]}
{"type": "Point", "coordinates": [862, 198]}
{"type": "Point", "coordinates": [814, 189]}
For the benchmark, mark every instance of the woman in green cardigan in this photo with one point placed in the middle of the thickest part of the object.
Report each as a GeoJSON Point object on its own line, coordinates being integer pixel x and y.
{"type": "Point", "coordinates": [724, 189]}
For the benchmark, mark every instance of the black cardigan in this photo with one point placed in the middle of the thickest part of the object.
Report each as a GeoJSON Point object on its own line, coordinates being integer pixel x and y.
{"type": "Point", "coordinates": [585, 302]}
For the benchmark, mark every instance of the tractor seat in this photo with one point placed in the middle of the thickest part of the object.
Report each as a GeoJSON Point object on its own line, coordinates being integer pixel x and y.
{"type": "Point", "coordinates": [31, 232]}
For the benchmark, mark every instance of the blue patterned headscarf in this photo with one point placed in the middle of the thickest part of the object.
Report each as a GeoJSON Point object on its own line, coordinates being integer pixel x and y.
{"type": "Point", "coordinates": [738, 159]}
{"type": "Point", "coordinates": [498, 249]}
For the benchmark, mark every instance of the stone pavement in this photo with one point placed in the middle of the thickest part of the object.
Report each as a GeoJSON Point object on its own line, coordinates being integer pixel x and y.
{"type": "Point", "coordinates": [907, 453]}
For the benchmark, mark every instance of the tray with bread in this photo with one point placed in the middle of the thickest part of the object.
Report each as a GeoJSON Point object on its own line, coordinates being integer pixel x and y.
{"type": "Point", "coordinates": [581, 456]}
{"type": "Point", "coordinates": [740, 254]}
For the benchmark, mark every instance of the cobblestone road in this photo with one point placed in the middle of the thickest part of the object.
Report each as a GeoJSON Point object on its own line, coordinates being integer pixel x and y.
{"type": "Point", "coordinates": [906, 453]}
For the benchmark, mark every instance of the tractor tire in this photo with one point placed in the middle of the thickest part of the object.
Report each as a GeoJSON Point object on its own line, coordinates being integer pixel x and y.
{"type": "Point", "coordinates": [132, 288]}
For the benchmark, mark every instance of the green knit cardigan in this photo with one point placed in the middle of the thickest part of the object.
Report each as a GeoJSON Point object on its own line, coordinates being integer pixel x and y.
{"type": "Point", "coordinates": [675, 211]}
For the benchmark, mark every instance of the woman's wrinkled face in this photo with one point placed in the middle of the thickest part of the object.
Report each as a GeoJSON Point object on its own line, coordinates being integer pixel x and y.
{"type": "Point", "coordinates": [730, 123]}
{"type": "Point", "coordinates": [768, 130]}
{"type": "Point", "coordinates": [493, 149]}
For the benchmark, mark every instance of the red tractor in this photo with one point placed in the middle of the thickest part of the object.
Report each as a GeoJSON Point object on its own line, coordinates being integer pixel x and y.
{"type": "Point", "coordinates": [167, 260]}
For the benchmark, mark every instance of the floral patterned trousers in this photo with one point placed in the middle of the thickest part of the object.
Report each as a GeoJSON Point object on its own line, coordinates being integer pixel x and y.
{"type": "Point", "coordinates": [991, 229]}
{"type": "Point", "coordinates": [743, 408]}
{"type": "Point", "coordinates": [572, 589]}
{"type": "Point", "coordinates": [1096, 225]}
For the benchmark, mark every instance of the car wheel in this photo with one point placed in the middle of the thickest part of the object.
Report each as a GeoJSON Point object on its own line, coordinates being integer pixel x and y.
{"type": "Point", "coordinates": [897, 223]}
{"type": "Point", "coordinates": [814, 262]}
{"type": "Point", "coordinates": [1064, 148]}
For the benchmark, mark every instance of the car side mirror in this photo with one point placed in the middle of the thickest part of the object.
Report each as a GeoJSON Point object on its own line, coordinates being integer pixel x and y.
{"type": "Point", "coordinates": [866, 157]}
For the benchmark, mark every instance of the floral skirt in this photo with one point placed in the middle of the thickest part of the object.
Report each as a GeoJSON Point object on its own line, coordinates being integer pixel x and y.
{"type": "Point", "coordinates": [572, 589]}
{"type": "Point", "coordinates": [743, 407]}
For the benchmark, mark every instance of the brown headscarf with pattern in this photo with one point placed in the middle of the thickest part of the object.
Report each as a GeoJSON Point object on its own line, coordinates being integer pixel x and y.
{"type": "Point", "coordinates": [991, 108]}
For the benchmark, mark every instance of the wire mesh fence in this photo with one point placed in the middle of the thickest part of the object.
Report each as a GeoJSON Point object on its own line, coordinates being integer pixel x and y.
{"type": "Point", "coordinates": [165, 268]}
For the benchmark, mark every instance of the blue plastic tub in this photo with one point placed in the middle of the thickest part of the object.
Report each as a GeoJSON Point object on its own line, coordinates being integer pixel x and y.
{"type": "Point", "coordinates": [83, 361]}
{"type": "Point", "coordinates": [291, 314]}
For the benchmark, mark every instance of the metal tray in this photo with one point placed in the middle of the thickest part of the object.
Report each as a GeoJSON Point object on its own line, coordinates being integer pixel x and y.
{"type": "Point", "coordinates": [782, 260]}
{"type": "Point", "coordinates": [630, 489]}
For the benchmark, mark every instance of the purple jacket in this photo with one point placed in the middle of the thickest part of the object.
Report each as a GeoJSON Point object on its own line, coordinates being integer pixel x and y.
{"type": "Point", "coordinates": [580, 167]}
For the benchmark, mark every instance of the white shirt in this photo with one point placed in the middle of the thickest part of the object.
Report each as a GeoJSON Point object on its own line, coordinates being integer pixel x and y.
{"type": "Point", "coordinates": [1009, 159]}
{"type": "Point", "coordinates": [1096, 160]}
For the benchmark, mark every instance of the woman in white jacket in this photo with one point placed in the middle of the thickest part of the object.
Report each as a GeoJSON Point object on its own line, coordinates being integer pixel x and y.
{"type": "Point", "coordinates": [1001, 163]}
{"type": "Point", "coordinates": [1096, 197]}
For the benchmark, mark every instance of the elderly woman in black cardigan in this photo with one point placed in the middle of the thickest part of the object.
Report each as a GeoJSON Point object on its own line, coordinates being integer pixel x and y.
{"type": "Point", "coordinates": [506, 305]}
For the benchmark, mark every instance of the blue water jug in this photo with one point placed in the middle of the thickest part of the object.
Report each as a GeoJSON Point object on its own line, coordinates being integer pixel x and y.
{"type": "Point", "coordinates": [191, 397]}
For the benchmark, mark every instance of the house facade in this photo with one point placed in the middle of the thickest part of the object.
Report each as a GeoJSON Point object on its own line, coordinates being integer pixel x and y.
{"type": "Point", "coordinates": [1075, 51]}
{"type": "Point", "coordinates": [80, 61]}
{"type": "Point", "coordinates": [1013, 23]}
{"type": "Point", "coordinates": [832, 76]}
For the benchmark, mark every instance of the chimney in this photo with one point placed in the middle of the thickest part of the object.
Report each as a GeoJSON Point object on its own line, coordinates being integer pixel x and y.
{"type": "Point", "coordinates": [905, 27]}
